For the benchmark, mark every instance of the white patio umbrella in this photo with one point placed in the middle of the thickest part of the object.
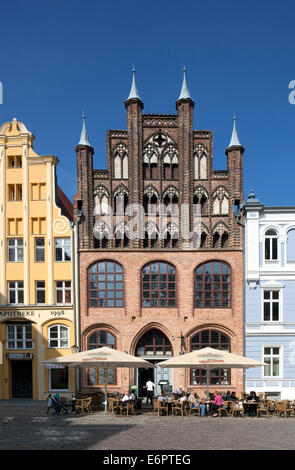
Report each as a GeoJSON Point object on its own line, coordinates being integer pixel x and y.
{"type": "Point", "coordinates": [104, 358]}
{"type": "Point", "coordinates": [209, 359]}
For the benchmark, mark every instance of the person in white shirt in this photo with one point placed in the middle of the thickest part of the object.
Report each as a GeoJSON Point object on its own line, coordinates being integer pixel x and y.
{"type": "Point", "coordinates": [150, 386]}
{"type": "Point", "coordinates": [163, 396]}
{"type": "Point", "coordinates": [183, 397]}
{"type": "Point", "coordinates": [128, 396]}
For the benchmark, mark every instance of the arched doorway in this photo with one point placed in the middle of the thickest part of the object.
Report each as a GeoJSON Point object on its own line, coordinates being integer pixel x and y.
{"type": "Point", "coordinates": [154, 346]}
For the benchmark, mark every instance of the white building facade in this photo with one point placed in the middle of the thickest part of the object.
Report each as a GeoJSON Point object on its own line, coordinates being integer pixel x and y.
{"type": "Point", "coordinates": [270, 298]}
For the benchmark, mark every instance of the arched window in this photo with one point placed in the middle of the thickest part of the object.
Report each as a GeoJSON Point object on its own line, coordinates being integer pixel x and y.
{"type": "Point", "coordinates": [200, 203]}
{"type": "Point", "coordinates": [216, 340]}
{"type": "Point", "coordinates": [105, 284]}
{"type": "Point", "coordinates": [158, 285]}
{"type": "Point", "coordinates": [101, 235]}
{"type": "Point", "coordinates": [170, 200]}
{"type": "Point", "coordinates": [171, 235]}
{"type": "Point", "coordinates": [101, 200]}
{"type": "Point", "coordinates": [271, 245]}
{"type": "Point", "coordinates": [151, 235]}
{"type": "Point", "coordinates": [200, 162]}
{"type": "Point", "coordinates": [150, 200]}
{"type": "Point", "coordinates": [170, 161]}
{"type": "Point", "coordinates": [212, 285]}
{"type": "Point", "coordinates": [58, 336]}
{"type": "Point", "coordinates": [220, 202]}
{"type": "Point", "coordinates": [121, 162]}
{"type": "Point", "coordinates": [120, 199]}
{"type": "Point", "coordinates": [200, 236]}
{"type": "Point", "coordinates": [291, 245]}
{"type": "Point", "coordinates": [99, 339]}
{"type": "Point", "coordinates": [153, 343]}
{"type": "Point", "coordinates": [150, 162]}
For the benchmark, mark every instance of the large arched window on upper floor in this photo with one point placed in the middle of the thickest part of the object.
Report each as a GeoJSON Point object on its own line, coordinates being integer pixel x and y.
{"type": "Point", "coordinates": [213, 339]}
{"type": "Point", "coordinates": [99, 339]}
{"type": "Point", "coordinates": [212, 285]}
{"type": "Point", "coordinates": [153, 343]}
{"type": "Point", "coordinates": [105, 284]}
{"type": "Point", "coordinates": [271, 245]}
{"type": "Point", "coordinates": [158, 285]}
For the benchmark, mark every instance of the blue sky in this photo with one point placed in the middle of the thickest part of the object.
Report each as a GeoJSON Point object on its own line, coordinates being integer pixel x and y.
{"type": "Point", "coordinates": [62, 57]}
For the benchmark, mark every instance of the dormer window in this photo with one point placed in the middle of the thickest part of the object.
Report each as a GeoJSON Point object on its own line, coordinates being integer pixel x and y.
{"type": "Point", "coordinates": [271, 246]}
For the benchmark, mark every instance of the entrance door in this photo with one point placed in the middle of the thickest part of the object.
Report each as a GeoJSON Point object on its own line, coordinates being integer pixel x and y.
{"type": "Point", "coordinates": [21, 373]}
{"type": "Point", "coordinates": [156, 375]}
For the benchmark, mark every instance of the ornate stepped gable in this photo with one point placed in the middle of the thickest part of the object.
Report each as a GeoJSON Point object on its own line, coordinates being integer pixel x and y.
{"type": "Point", "coordinates": [160, 160]}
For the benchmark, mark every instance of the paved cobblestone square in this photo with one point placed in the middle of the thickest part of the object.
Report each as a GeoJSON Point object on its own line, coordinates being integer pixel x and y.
{"type": "Point", "coordinates": [24, 425]}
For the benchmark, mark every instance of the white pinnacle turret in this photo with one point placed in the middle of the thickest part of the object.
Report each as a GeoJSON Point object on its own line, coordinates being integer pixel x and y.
{"type": "Point", "coordinates": [184, 94]}
{"type": "Point", "coordinates": [84, 136]}
{"type": "Point", "coordinates": [234, 138]}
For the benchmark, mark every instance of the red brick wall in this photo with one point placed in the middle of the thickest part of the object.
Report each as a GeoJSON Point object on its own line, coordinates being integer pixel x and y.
{"type": "Point", "coordinates": [129, 323]}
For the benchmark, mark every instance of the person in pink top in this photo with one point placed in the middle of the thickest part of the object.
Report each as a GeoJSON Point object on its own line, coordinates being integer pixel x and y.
{"type": "Point", "coordinates": [217, 403]}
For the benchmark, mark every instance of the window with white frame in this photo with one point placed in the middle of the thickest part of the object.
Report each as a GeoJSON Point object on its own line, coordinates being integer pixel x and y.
{"type": "Point", "coordinates": [40, 292]}
{"type": "Point", "coordinates": [39, 249]}
{"type": "Point", "coordinates": [19, 337]}
{"type": "Point", "coordinates": [271, 305]}
{"type": "Point", "coordinates": [58, 336]}
{"type": "Point", "coordinates": [271, 356]}
{"type": "Point", "coordinates": [15, 250]}
{"type": "Point", "coordinates": [15, 292]}
{"type": "Point", "coordinates": [62, 249]}
{"type": "Point", "coordinates": [59, 380]}
{"type": "Point", "coordinates": [271, 246]}
{"type": "Point", "coordinates": [63, 292]}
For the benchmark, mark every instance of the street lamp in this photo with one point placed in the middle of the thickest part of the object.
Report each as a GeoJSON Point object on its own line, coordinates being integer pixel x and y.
{"type": "Point", "coordinates": [74, 349]}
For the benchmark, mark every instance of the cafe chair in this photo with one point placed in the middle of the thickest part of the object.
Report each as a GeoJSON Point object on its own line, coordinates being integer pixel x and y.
{"type": "Point", "coordinates": [113, 406]}
{"type": "Point", "coordinates": [237, 408]}
{"type": "Point", "coordinates": [130, 408]}
{"type": "Point", "coordinates": [225, 408]}
{"type": "Point", "coordinates": [156, 406]}
{"type": "Point", "coordinates": [163, 408]}
{"type": "Point", "coordinates": [194, 409]}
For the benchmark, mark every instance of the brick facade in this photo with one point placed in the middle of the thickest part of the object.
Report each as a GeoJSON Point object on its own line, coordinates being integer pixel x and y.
{"type": "Point", "coordinates": [149, 144]}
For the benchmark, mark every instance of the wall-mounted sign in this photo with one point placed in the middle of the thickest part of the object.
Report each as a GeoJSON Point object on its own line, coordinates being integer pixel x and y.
{"type": "Point", "coordinates": [54, 366]}
{"type": "Point", "coordinates": [19, 356]}
{"type": "Point", "coordinates": [17, 313]}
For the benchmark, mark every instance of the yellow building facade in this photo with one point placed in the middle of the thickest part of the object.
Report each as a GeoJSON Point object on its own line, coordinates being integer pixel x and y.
{"type": "Point", "coordinates": [37, 319]}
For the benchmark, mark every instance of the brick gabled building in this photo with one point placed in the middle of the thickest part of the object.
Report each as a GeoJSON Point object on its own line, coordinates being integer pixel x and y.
{"type": "Point", "coordinates": [161, 292]}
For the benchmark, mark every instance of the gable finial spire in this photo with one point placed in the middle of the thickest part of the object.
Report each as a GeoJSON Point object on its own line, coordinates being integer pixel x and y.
{"type": "Point", "coordinates": [133, 91]}
{"type": "Point", "coordinates": [184, 94]}
{"type": "Point", "coordinates": [84, 140]}
{"type": "Point", "coordinates": [234, 138]}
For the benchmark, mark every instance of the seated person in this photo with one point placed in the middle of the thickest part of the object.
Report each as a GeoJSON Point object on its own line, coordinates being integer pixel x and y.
{"type": "Point", "coordinates": [178, 391]}
{"type": "Point", "coordinates": [227, 396]}
{"type": "Point", "coordinates": [163, 397]}
{"type": "Point", "coordinates": [217, 403]}
{"type": "Point", "coordinates": [233, 397]}
{"type": "Point", "coordinates": [129, 396]}
{"type": "Point", "coordinates": [251, 408]}
{"type": "Point", "coordinates": [194, 400]}
{"type": "Point", "coordinates": [183, 397]}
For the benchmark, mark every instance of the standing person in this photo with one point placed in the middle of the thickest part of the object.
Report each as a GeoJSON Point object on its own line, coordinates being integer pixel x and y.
{"type": "Point", "coordinates": [217, 403]}
{"type": "Point", "coordinates": [150, 386]}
